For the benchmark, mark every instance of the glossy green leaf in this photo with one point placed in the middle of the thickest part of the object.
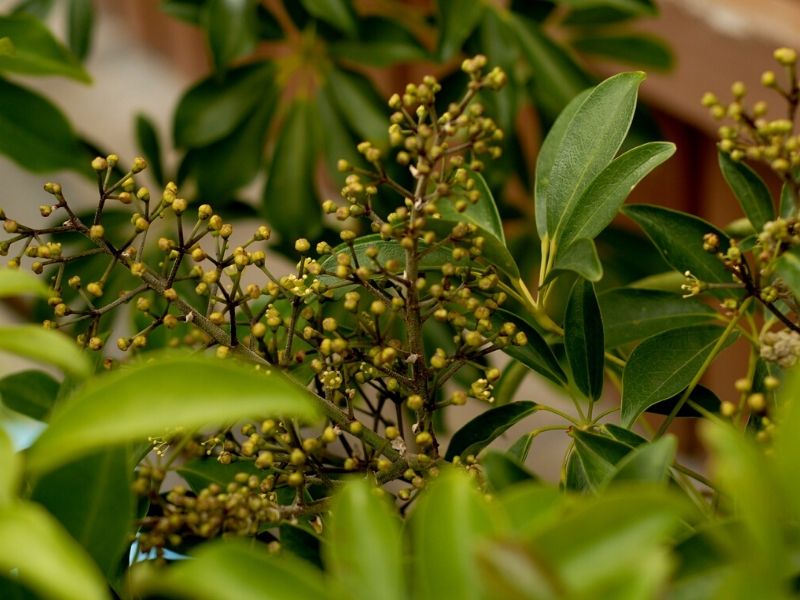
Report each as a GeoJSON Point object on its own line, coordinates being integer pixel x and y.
{"type": "Point", "coordinates": [338, 13]}
{"type": "Point", "coordinates": [633, 314]}
{"type": "Point", "coordinates": [788, 201]}
{"type": "Point", "coordinates": [482, 213]}
{"type": "Point", "coordinates": [601, 201]}
{"type": "Point", "coordinates": [10, 473]}
{"type": "Point", "coordinates": [583, 339]}
{"type": "Point", "coordinates": [231, 26]}
{"type": "Point", "coordinates": [31, 393]}
{"type": "Point", "coordinates": [598, 455]}
{"type": "Point", "coordinates": [365, 550]}
{"type": "Point", "coordinates": [149, 398]}
{"type": "Point", "coordinates": [750, 190]}
{"type": "Point", "coordinates": [557, 78]}
{"type": "Point", "coordinates": [92, 499]}
{"type": "Point", "coordinates": [290, 202]}
{"type": "Point", "coordinates": [648, 463]}
{"type": "Point", "coordinates": [626, 436]}
{"type": "Point", "coordinates": [587, 138]}
{"type": "Point", "coordinates": [202, 472]}
{"type": "Point", "coordinates": [579, 257]}
{"type": "Point", "coordinates": [519, 449]}
{"type": "Point", "coordinates": [508, 384]}
{"type": "Point", "coordinates": [46, 346]}
{"type": "Point", "coordinates": [359, 105]}
{"type": "Point", "coordinates": [679, 238]}
{"type": "Point", "coordinates": [574, 477]}
{"type": "Point", "coordinates": [150, 146]}
{"type": "Point", "coordinates": [44, 557]}
{"type": "Point", "coordinates": [493, 252]}
{"type": "Point", "coordinates": [212, 108]}
{"type": "Point", "coordinates": [301, 543]}
{"type": "Point", "coordinates": [635, 49]}
{"type": "Point", "coordinates": [457, 20]}
{"type": "Point", "coordinates": [14, 282]}
{"type": "Point", "coordinates": [447, 526]}
{"type": "Point", "coordinates": [700, 396]}
{"type": "Point", "coordinates": [80, 22]}
{"type": "Point", "coordinates": [605, 537]}
{"type": "Point", "coordinates": [663, 365]}
{"type": "Point", "coordinates": [35, 134]}
{"type": "Point", "coordinates": [536, 354]}
{"type": "Point", "coordinates": [383, 42]}
{"type": "Point", "coordinates": [36, 51]}
{"type": "Point", "coordinates": [236, 570]}
{"type": "Point", "coordinates": [503, 471]}
{"type": "Point", "coordinates": [481, 431]}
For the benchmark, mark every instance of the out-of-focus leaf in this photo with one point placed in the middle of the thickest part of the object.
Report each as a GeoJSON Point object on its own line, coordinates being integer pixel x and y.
{"type": "Point", "coordinates": [788, 269]}
{"type": "Point", "coordinates": [212, 108]}
{"type": "Point", "coordinates": [9, 474]}
{"type": "Point", "coordinates": [365, 553]}
{"type": "Point", "coordinates": [531, 506]}
{"type": "Point", "coordinates": [44, 557]}
{"type": "Point", "coordinates": [515, 574]}
{"type": "Point", "coordinates": [233, 570]}
{"type": "Point", "coordinates": [80, 21]}
{"type": "Point", "coordinates": [38, 8]}
{"type": "Point", "coordinates": [509, 382]}
{"type": "Point", "coordinates": [486, 427]}
{"type": "Point", "coordinates": [633, 314]}
{"type": "Point", "coordinates": [34, 133]}
{"type": "Point", "coordinates": [447, 526]}
{"type": "Point", "coordinates": [14, 282]}
{"type": "Point", "coordinates": [648, 463]}
{"type": "Point", "coordinates": [787, 205]}
{"type": "Point", "coordinates": [457, 20]}
{"type": "Point", "coordinates": [382, 43]}
{"type": "Point", "coordinates": [6, 46]}
{"type": "Point", "coordinates": [585, 141]}
{"type": "Point", "coordinates": [232, 31]}
{"type": "Point", "coordinates": [503, 471]}
{"type": "Point", "coordinates": [360, 105]}
{"type": "Point", "coordinates": [631, 7]}
{"type": "Point", "coordinates": [92, 499]}
{"type": "Point", "coordinates": [750, 190]}
{"type": "Point", "coordinates": [190, 11]}
{"type": "Point", "coordinates": [663, 365]}
{"type": "Point", "coordinates": [583, 339]}
{"type": "Point", "coordinates": [47, 346]}
{"type": "Point", "coordinates": [338, 13]}
{"type": "Point", "coordinates": [290, 200]}
{"type": "Point", "coordinates": [150, 147]}
{"type": "Point", "coordinates": [31, 393]}
{"type": "Point", "coordinates": [149, 398]}
{"type": "Point", "coordinates": [36, 51]}
{"type": "Point", "coordinates": [634, 49]}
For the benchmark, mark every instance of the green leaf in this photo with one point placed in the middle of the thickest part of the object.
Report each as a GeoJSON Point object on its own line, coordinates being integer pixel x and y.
{"type": "Point", "coordinates": [787, 205]}
{"type": "Point", "coordinates": [632, 7]}
{"type": "Point", "coordinates": [92, 499]}
{"type": "Point", "coordinates": [679, 238]}
{"type": "Point", "coordinates": [536, 354]}
{"type": "Point", "coordinates": [503, 471]}
{"type": "Point", "coordinates": [301, 543]}
{"type": "Point", "coordinates": [338, 13]}
{"type": "Point", "coordinates": [202, 472]}
{"type": "Point", "coordinates": [512, 573]}
{"type": "Point", "coordinates": [35, 134]}
{"type": "Point", "coordinates": [44, 557]}
{"type": "Point", "coordinates": [482, 213]}
{"type": "Point", "coordinates": [598, 456]}
{"type": "Point", "coordinates": [149, 145]}
{"type": "Point", "coordinates": [787, 267]}
{"type": "Point", "coordinates": [11, 471]}
{"type": "Point", "coordinates": [359, 104]}
{"type": "Point", "coordinates": [457, 20]}
{"type": "Point", "coordinates": [649, 463]}
{"type": "Point", "coordinates": [447, 525]}
{"type": "Point", "coordinates": [486, 427]}
{"type": "Point", "coordinates": [636, 49]}
{"type": "Point", "coordinates": [31, 393]}
{"type": "Point", "coordinates": [519, 449]}
{"type": "Point", "coordinates": [701, 396]}
{"type": "Point", "coordinates": [6, 47]}
{"type": "Point", "coordinates": [633, 314]}
{"type": "Point", "coordinates": [290, 202]}
{"type": "Point", "coordinates": [38, 8]}
{"type": "Point", "coordinates": [235, 570]}
{"type": "Point", "coordinates": [14, 282]}
{"type": "Point", "coordinates": [586, 141]}
{"type": "Point", "coordinates": [605, 537]}
{"type": "Point", "coordinates": [530, 507]}
{"type": "Point", "coordinates": [581, 258]}
{"type": "Point", "coordinates": [149, 397]}
{"type": "Point", "coordinates": [47, 346]}
{"type": "Point", "coordinates": [601, 201]}
{"type": "Point", "coordinates": [508, 384]}
{"type": "Point", "coordinates": [787, 443]}
{"type": "Point", "coordinates": [557, 78]}
{"type": "Point", "coordinates": [663, 365]}
{"type": "Point", "coordinates": [80, 21]}
{"type": "Point", "coordinates": [36, 51]}
{"type": "Point", "coordinates": [213, 107]}
{"type": "Point", "coordinates": [749, 189]}
{"type": "Point", "coordinates": [383, 42]}
{"type": "Point", "coordinates": [365, 553]}
{"type": "Point", "coordinates": [583, 339]}
{"type": "Point", "coordinates": [231, 26]}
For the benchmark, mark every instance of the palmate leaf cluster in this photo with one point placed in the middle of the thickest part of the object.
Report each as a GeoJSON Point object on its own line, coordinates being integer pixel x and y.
{"type": "Point", "coordinates": [320, 467]}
